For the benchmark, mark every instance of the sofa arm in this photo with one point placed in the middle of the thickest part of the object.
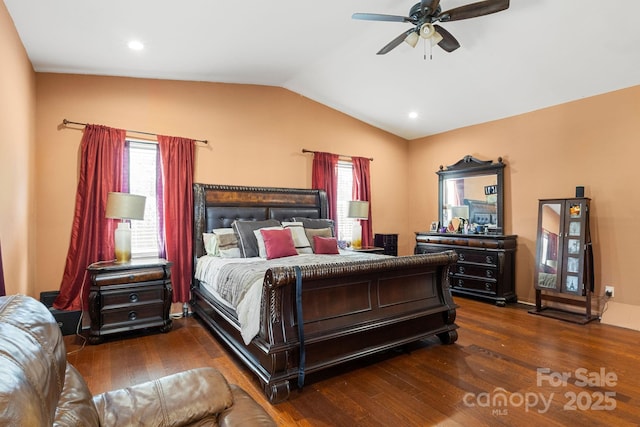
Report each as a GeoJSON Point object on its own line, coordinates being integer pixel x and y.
{"type": "Point", "coordinates": [175, 400]}
{"type": "Point", "coordinates": [244, 412]}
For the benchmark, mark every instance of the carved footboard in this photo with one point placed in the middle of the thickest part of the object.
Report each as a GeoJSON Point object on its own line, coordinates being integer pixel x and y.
{"type": "Point", "coordinates": [349, 310]}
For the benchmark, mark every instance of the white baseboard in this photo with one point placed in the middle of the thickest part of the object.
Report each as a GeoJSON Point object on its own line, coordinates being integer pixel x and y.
{"type": "Point", "coordinates": [622, 315]}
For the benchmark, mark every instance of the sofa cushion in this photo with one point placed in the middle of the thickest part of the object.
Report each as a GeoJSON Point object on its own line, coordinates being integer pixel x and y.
{"type": "Point", "coordinates": [178, 399]}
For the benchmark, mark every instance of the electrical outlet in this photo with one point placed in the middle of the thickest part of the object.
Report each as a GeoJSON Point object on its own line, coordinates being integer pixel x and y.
{"type": "Point", "coordinates": [608, 291]}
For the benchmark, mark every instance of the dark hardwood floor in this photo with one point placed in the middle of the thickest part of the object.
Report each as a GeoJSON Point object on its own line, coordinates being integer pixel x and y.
{"type": "Point", "coordinates": [507, 368]}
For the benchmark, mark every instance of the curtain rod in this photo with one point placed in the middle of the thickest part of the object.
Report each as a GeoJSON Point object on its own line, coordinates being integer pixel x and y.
{"type": "Point", "coordinates": [304, 150]}
{"type": "Point", "coordinates": [69, 122]}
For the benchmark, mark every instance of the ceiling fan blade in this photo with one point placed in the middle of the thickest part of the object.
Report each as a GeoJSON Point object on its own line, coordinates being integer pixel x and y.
{"type": "Point", "coordinates": [380, 17]}
{"type": "Point", "coordinates": [395, 42]}
{"type": "Point", "coordinates": [473, 10]}
{"type": "Point", "coordinates": [448, 42]}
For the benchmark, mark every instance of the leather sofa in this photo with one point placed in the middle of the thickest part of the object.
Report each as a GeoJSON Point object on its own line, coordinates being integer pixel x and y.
{"type": "Point", "coordinates": [39, 388]}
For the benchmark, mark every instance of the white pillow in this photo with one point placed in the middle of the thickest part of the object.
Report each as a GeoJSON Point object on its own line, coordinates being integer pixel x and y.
{"type": "Point", "coordinates": [299, 237]}
{"type": "Point", "coordinates": [221, 242]}
{"type": "Point", "coordinates": [262, 250]}
{"type": "Point", "coordinates": [210, 243]}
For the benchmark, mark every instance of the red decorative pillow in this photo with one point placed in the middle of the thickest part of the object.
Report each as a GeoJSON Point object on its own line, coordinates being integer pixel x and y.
{"type": "Point", "coordinates": [278, 243]}
{"type": "Point", "coordinates": [325, 245]}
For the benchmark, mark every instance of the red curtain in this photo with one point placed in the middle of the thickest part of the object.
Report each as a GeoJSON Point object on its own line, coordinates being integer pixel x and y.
{"type": "Point", "coordinates": [324, 176]}
{"type": "Point", "coordinates": [177, 158]}
{"type": "Point", "coordinates": [362, 191]}
{"type": "Point", "coordinates": [102, 150]}
{"type": "Point", "coordinates": [3, 290]}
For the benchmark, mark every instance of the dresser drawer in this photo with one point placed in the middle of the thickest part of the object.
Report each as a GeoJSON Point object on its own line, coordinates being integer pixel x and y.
{"type": "Point", "coordinates": [130, 276]}
{"type": "Point", "coordinates": [476, 284]}
{"type": "Point", "coordinates": [132, 294]}
{"type": "Point", "coordinates": [475, 270]}
{"type": "Point", "coordinates": [132, 316]}
{"type": "Point", "coordinates": [479, 257]}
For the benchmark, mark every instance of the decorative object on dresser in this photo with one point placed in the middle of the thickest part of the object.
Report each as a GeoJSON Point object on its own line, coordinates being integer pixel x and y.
{"type": "Point", "coordinates": [471, 209]}
{"type": "Point", "coordinates": [485, 267]}
{"type": "Point", "coordinates": [129, 296]}
{"type": "Point", "coordinates": [564, 260]}
{"type": "Point", "coordinates": [125, 207]}
{"type": "Point", "coordinates": [387, 241]}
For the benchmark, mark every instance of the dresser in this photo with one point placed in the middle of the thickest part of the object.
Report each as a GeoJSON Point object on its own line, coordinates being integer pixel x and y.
{"type": "Point", "coordinates": [129, 296]}
{"type": "Point", "coordinates": [485, 267]}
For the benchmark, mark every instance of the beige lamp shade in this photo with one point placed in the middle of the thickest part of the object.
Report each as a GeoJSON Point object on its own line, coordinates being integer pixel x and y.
{"type": "Point", "coordinates": [125, 206]}
{"type": "Point", "coordinates": [358, 209]}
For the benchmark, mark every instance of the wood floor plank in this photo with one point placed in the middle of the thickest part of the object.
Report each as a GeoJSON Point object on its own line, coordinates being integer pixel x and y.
{"type": "Point", "coordinates": [499, 353]}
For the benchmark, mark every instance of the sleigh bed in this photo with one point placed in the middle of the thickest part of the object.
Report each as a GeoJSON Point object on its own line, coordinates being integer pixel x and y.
{"type": "Point", "coordinates": [350, 309]}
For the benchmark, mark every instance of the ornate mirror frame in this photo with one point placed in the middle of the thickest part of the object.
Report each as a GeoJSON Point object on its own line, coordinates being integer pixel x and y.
{"type": "Point", "coordinates": [485, 204]}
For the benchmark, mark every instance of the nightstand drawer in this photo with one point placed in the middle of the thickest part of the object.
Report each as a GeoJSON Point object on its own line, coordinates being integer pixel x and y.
{"type": "Point", "coordinates": [132, 295]}
{"type": "Point", "coordinates": [132, 315]}
{"type": "Point", "coordinates": [130, 276]}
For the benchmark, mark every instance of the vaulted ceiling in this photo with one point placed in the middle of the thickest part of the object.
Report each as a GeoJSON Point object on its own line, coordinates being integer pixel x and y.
{"type": "Point", "coordinates": [533, 55]}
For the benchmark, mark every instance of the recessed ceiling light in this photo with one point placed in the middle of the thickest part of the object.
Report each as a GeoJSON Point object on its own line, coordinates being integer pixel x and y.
{"type": "Point", "coordinates": [135, 45]}
{"type": "Point", "coordinates": [413, 115]}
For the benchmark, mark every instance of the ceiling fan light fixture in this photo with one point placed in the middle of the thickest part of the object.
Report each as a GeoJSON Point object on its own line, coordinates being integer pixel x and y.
{"type": "Point", "coordinates": [412, 39]}
{"type": "Point", "coordinates": [436, 38]}
{"type": "Point", "coordinates": [427, 31]}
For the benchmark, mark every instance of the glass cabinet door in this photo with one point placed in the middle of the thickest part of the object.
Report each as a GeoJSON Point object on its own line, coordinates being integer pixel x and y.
{"type": "Point", "coordinates": [574, 213]}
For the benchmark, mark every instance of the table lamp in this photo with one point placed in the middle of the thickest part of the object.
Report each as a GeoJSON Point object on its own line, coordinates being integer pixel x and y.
{"type": "Point", "coordinates": [357, 210]}
{"type": "Point", "coordinates": [125, 207]}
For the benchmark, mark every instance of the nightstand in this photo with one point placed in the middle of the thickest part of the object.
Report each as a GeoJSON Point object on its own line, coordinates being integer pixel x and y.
{"type": "Point", "coordinates": [129, 296]}
{"type": "Point", "coordinates": [388, 241]}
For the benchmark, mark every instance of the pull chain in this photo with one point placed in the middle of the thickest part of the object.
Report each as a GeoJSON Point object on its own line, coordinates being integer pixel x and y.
{"type": "Point", "coordinates": [424, 55]}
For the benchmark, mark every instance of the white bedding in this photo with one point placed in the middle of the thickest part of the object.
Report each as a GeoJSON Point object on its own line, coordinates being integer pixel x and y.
{"type": "Point", "coordinates": [238, 281]}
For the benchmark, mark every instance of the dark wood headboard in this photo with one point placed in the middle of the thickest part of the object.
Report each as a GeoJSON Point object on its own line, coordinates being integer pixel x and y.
{"type": "Point", "coordinates": [217, 206]}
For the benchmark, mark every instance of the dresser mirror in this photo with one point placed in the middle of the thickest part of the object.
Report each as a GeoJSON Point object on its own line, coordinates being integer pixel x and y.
{"type": "Point", "coordinates": [473, 190]}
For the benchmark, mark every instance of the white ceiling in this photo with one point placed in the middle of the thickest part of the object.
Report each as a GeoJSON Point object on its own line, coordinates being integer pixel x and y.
{"type": "Point", "coordinates": [535, 54]}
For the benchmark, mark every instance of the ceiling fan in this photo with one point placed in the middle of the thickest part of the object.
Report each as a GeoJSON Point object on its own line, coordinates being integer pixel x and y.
{"type": "Point", "coordinates": [423, 15]}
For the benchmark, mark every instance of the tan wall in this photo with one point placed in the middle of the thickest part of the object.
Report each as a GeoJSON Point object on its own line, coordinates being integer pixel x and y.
{"type": "Point", "coordinates": [255, 133]}
{"type": "Point", "coordinates": [592, 142]}
{"type": "Point", "coordinates": [17, 141]}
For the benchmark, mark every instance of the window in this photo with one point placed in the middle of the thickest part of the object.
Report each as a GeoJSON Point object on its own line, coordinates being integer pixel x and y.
{"type": "Point", "coordinates": [345, 195]}
{"type": "Point", "coordinates": [142, 173]}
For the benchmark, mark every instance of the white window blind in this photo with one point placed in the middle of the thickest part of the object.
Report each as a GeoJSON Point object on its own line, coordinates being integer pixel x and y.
{"type": "Point", "coordinates": [142, 180]}
{"type": "Point", "coordinates": [345, 191]}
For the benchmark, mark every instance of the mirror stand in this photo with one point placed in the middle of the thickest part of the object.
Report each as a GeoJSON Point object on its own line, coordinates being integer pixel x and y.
{"type": "Point", "coordinates": [564, 259]}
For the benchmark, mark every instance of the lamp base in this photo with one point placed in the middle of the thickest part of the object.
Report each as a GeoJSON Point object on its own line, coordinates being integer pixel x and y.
{"type": "Point", "coordinates": [123, 242]}
{"type": "Point", "coordinates": [356, 236]}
